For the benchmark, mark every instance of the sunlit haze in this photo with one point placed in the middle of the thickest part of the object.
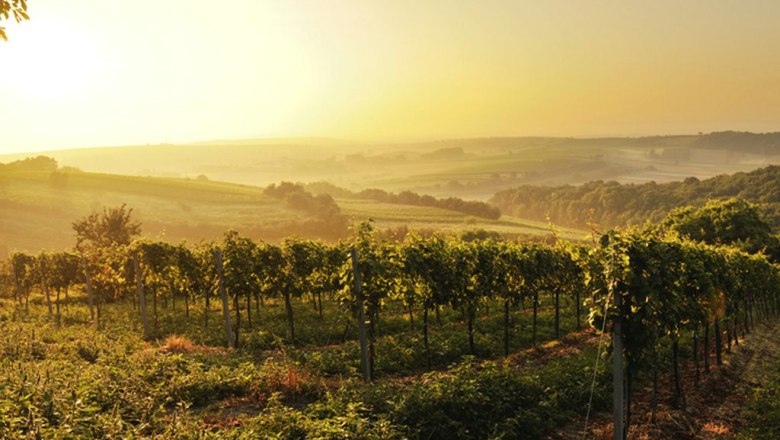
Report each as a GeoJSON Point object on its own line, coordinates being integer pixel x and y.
{"type": "Point", "coordinates": [87, 73]}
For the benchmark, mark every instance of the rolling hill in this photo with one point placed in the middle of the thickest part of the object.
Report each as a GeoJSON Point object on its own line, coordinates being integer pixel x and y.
{"type": "Point", "coordinates": [467, 168]}
{"type": "Point", "coordinates": [611, 203]}
{"type": "Point", "coordinates": [39, 201]}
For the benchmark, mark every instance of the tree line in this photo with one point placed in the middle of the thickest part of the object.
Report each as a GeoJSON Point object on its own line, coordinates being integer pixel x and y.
{"type": "Point", "coordinates": [610, 204]}
{"type": "Point", "coordinates": [326, 219]}
{"type": "Point", "coordinates": [470, 207]}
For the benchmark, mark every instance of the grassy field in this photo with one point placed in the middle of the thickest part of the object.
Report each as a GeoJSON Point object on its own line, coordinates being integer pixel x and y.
{"type": "Point", "coordinates": [387, 215]}
{"type": "Point", "coordinates": [38, 208]}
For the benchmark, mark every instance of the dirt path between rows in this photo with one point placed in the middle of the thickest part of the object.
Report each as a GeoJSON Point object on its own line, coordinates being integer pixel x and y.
{"type": "Point", "coordinates": [716, 409]}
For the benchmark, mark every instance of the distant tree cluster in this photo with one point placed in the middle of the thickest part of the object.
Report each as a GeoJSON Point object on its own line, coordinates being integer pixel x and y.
{"type": "Point", "coordinates": [610, 204]}
{"type": "Point", "coordinates": [762, 143]}
{"type": "Point", "coordinates": [296, 197]}
{"type": "Point", "coordinates": [733, 222]}
{"type": "Point", "coordinates": [38, 163]}
{"type": "Point", "coordinates": [327, 221]}
{"type": "Point", "coordinates": [475, 208]}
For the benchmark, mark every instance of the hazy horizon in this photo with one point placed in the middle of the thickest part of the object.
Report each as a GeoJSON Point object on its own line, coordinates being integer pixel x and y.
{"type": "Point", "coordinates": [314, 140]}
{"type": "Point", "coordinates": [86, 74]}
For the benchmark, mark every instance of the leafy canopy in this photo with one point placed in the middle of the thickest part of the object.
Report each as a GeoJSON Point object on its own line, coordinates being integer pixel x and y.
{"type": "Point", "coordinates": [12, 8]}
{"type": "Point", "coordinates": [114, 226]}
{"type": "Point", "coordinates": [734, 222]}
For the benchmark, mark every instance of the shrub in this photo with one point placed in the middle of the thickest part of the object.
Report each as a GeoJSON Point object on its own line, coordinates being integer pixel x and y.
{"type": "Point", "coordinates": [474, 403]}
{"type": "Point", "coordinates": [291, 382]}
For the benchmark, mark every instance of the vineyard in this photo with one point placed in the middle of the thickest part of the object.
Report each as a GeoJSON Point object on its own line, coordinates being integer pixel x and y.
{"type": "Point", "coordinates": [429, 338]}
{"type": "Point", "coordinates": [368, 220]}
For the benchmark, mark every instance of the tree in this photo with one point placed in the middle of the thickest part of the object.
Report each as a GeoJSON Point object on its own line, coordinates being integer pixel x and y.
{"type": "Point", "coordinates": [240, 273]}
{"type": "Point", "coordinates": [735, 222]}
{"type": "Point", "coordinates": [425, 263]}
{"type": "Point", "coordinates": [6, 278]}
{"type": "Point", "coordinates": [21, 266]}
{"type": "Point", "coordinates": [463, 259]}
{"type": "Point", "coordinates": [114, 226]}
{"type": "Point", "coordinates": [375, 277]}
{"type": "Point", "coordinates": [299, 265]}
{"type": "Point", "coordinates": [64, 271]}
{"type": "Point", "coordinates": [12, 8]}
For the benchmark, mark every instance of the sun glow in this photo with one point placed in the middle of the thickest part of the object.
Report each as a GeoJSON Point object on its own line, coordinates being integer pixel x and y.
{"type": "Point", "coordinates": [86, 72]}
{"type": "Point", "coordinates": [47, 60]}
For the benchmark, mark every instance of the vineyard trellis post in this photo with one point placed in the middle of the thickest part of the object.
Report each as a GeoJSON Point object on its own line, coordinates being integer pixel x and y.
{"type": "Point", "coordinates": [88, 282]}
{"type": "Point", "coordinates": [18, 284]}
{"type": "Point", "coordinates": [223, 293]}
{"type": "Point", "coordinates": [45, 283]}
{"type": "Point", "coordinates": [618, 394]}
{"type": "Point", "coordinates": [364, 361]}
{"type": "Point", "coordinates": [141, 296]}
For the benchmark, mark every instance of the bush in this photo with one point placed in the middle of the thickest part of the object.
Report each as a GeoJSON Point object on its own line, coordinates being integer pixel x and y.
{"type": "Point", "coordinates": [288, 381]}
{"type": "Point", "coordinates": [764, 419]}
{"type": "Point", "coordinates": [476, 403]}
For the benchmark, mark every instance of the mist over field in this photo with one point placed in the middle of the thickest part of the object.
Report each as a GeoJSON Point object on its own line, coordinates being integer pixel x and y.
{"type": "Point", "coordinates": [470, 168]}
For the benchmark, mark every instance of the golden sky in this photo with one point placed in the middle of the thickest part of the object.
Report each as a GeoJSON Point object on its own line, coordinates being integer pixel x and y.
{"type": "Point", "coordinates": [118, 72]}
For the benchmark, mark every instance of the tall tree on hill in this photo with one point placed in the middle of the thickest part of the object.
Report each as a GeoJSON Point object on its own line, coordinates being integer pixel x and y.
{"type": "Point", "coordinates": [101, 239]}
{"type": "Point", "coordinates": [114, 226]}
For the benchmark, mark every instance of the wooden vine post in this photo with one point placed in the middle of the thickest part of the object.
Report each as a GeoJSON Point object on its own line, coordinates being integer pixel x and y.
{"type": "Point", "coordinates": [139, 282]}
{"type": "Point", "coordinates": [45, 283]}
{"type": "Point", "coordinates": [618, 394]}
{"type": "Point", "coordinates": [365, 366]}
{"type": "Point", "coordinates": [89, 289]}
{"type": "Point", "coordinates": [223, 293]}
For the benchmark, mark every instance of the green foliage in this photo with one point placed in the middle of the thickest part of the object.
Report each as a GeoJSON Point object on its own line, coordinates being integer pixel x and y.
{"type": "Point", "coordinates": [610, 204]}
{"type": "Point", "coordinates": [241, 265]}
{"type": "Point", "coordinates": [764, 415]}
{"type": "Point", "coordinates": [37, 163]}
{"type": "Point", "coordinates": [667, 286]}
{"type": "Point", "coordinates": [112, 227]}
{"type": "Point", "coordinates": [64, 270]}
{"type": "Point", "coordinates": [473, 403]}
{"type": "Point", "coordinates": [493, 401]}
{"type": "Point", "coordinates": [300, 384]}
{"type": "Point", "coordinates": [328, 219]}
{"type": "Point", "coordinates": [475, 208]}
{"type": "Point", "coordinates": [734, 222]}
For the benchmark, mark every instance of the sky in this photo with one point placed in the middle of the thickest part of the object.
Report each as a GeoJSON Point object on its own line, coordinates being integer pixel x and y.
{"type": "Point", "coordinates": [114, 72]}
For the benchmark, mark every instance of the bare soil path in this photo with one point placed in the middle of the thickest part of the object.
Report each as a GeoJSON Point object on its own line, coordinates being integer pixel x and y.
{"type": "Point", "coordinates": [716, 409]}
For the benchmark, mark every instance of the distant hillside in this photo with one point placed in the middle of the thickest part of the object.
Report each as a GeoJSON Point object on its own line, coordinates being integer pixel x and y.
{"type": "Point", "coordinates": [473, 169]}
{"type": "Point", "coordinates": [39, 202]}
{"type": "Point", "coordinates": [470, 207]}
{"type": "Point", "coordinates": [611, 203]}
{"type": "Point", "coordinates": [761, 143]}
